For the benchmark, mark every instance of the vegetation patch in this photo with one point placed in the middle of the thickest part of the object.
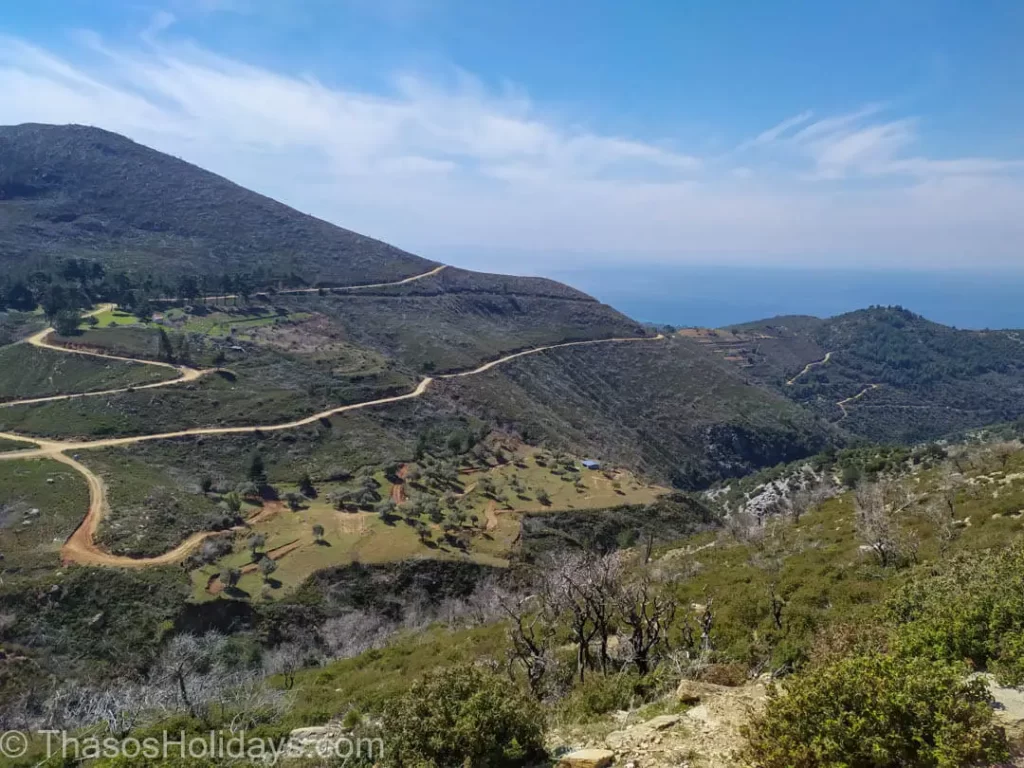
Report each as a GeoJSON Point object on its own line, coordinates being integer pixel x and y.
{"type": "Point", "coordinates": [42, 502]}
{"type": "Point", "coordinates": [30, 372]}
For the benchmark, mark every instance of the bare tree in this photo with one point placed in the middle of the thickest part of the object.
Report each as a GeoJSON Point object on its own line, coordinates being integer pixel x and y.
{"type": "Point", "coordinates": [879, 507]}
{"type": "Point", "coordinates": [1004, 451]}
{"type": "Point", "coordinates": [566, 593]}
{"type": "Point", "coordinates": [942, 506]}
{"type": "Point", "coordinates": [530, 633]}
{"type": "Point", "coordinates": [648, 616]}
{"type": "Point", "coordinates": [285, 660]}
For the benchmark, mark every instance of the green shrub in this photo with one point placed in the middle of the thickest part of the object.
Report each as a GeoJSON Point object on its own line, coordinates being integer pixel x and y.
{"type": "Point", "coordinates": [601, 694]}
{"type": "Point", "coordinates": [877, 711]}
{"type": "Point", "coordinates": [972, 609]}
{"type": "Point", "coordinates": [463, 716]}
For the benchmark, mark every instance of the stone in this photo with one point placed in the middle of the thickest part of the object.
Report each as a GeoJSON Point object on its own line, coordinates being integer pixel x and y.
{"type": "Point", "coordinates": [661, 722]}
{"type": "Point", "coordinates": [588, 758]}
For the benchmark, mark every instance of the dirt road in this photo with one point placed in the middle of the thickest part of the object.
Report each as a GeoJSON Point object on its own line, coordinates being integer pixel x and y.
{"type": "Point", "coordinates": [81, 547]}
{"type": "Point", "coordinates": [843, 403]}
{"type": "Point", "coordinates": [290, 291]}
{"type": "Point", "coordinates": [41, 340]}
{"type": "Point", "coordinates": [809, 367]}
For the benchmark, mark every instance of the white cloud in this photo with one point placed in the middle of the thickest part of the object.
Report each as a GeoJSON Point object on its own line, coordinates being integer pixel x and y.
{"type": "Point", "coordinates": [434, 167]}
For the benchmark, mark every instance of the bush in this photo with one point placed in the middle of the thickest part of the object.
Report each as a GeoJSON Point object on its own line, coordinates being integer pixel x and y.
{"type": "Point", "coordinates": [463, 716]}
{"type": "Point", "coordinates": [877, 711]}
{"type": "Point", "coordinates": [600, 694]}
{"type": "Point", "coordinates": [972, 609]}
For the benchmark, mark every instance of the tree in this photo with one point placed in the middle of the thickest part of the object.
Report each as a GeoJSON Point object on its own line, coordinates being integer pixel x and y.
{"type": "Point", "coordinates": [530, 635]}
{"type": "Point", "coordinates": [166, 352]}
{"type": "Point", "coordinates": [229, 577]}
{"type": "Point", "coordinates": [267, 568]}
{"type": "Point", "coordinates": [878, 508]}
{"type": "Point", "coordinates": [19, 297]}
{"type": "Point", "coordinates": [318, 533]}
{"type": "Point", "coordinates": [66, 322]}
{"type": "Point", "coordinates": [648, 616]}
{"type": "Point", "coordinates": [941, 509]}
{"type": "Point", "coordinates": [257, 473]}
{"type": "Point", "coordinates": [306, 487]}
{"type": "Point", "coordinates": [463, 716]}
{"type": "Point", "coordinates": [880, 711]}
{"type": "Point", "coordinates": [294, 500]}
{"type": "Point", "coordinates": [256, 542]}
{"type": "Point", "coordinates": [386, 509]}
{"type": "Point", "coordinates": [233, 502]}
{"type": "Point", "coordinates": [184, 350]}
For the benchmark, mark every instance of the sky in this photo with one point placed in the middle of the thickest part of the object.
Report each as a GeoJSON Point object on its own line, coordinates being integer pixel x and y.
{"type": "Point", "coordinates": [540, 135]}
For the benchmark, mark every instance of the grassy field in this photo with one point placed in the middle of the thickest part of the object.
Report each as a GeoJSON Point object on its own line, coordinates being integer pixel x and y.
{"type": "Point", "coordinates": [27, 372]}
{"type": "Point", "coordinates": [14, 445]}
{"type": "Point", "coordinates": [469, 522]}
{"type": "Point", "coordinates": [41, 504]}
{"type": "Point", "coordinates": [110, 318]}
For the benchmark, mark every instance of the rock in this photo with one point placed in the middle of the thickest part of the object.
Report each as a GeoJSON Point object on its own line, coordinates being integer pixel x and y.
{"type": "Point", "coordinates": [314, 741]}
{"type": "Point", "coordinates": [700, 713]}
{"type": "Point", "coordinates": [588, 758]}
{"type": "Point", "coordinates": [693, 691]}
{"type": "Point", "coordinates": [313, 733]}
{"type": "Point", "coordinates": [661, 722]}
{"type": "Point", "coordinates": [689, 691]}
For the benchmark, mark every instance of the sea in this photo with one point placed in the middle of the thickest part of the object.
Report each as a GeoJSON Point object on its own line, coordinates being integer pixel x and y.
{"type": "Point", "coordinates": [716, 296]}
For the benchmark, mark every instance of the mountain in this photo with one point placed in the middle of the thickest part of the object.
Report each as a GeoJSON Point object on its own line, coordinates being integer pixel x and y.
{"type": "Point", "coordinates": [890, 374]}
{"type": "Point", "coordinates": [85, 193]}
{"type": "Point", "coordinates": [75, 191]}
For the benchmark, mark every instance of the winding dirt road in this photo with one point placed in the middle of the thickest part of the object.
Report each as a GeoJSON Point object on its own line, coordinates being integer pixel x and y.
{"type": "Point", "coordinates": [289, 291]}
{"type": "Point", "coordinates": [41, 340]}
{"type": "Point", "coordinates": [809, 367]}
{"type": "Point", "coordinates": [843, 403]}
{"type": "Point", "coordinates": [81, 547]}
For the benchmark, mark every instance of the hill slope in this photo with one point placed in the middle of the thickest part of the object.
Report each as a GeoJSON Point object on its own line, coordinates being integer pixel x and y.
{"type": "Point", "coordinates": [74, 191]}
{"type": "Point", "coordinates": [889, 374]}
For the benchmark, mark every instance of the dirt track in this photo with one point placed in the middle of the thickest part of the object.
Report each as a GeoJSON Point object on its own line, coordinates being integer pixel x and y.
{"type": "Point", "coordinates": [81, 547]}
{"type": "Point", "coordinates": [289, 291]}
{"type": "Point", "coordinates": [809, 367]}
{"type": "Point", "coordinates": [843, 403]}
{"type": "Point", "coordinates": [41, 340]}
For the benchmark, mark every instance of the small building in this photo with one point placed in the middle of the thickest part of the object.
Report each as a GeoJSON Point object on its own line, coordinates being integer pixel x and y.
{"type": "Point", "coordinates": [591, 464]}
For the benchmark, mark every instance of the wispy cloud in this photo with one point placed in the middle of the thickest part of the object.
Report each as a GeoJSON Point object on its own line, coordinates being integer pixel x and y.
{"type": "Point", "coordinates": [458, 164]}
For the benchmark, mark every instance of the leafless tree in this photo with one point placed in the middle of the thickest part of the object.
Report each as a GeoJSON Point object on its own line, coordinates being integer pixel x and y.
{"type": "Point", "coordinates": [1003, 451]}
{"type": "Point", "coordinates": [286, 660]}
{"type": "Point", "coordinates": [530, 633]}
{"type": "Point", "coordinates": [647, 615]}
{"type": "Point", "coordinates": [941, 509]}
{"type": "Point", "coordinates": [879, 507]}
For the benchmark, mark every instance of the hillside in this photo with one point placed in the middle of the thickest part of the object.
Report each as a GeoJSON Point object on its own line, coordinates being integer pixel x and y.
{"type": "Point", "coordinates": [75, 191]}
{"type": "Point", "coordinates": [883, 373]}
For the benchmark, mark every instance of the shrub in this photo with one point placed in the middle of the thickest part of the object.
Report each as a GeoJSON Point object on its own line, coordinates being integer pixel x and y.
{"type": "Point", "coordinates": [877, 711]}
{"type": "Point", "coordinates": [972, 609]}
{"type": "Point", "coordinates": [463, 716]}
{"type": "Point", "coordinates": [601, 694]}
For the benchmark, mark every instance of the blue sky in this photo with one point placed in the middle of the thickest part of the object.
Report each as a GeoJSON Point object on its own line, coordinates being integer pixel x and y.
{"type": "Point", "coordinates": [529, 134]}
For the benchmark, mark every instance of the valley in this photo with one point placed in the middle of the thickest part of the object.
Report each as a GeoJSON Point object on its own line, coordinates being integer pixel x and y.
{"type": "Point", "coordinates": [260, 472]}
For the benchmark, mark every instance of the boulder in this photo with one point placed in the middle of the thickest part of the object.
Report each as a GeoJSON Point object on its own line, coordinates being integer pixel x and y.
{"type": "Point", "coordinates": [587, 758]}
